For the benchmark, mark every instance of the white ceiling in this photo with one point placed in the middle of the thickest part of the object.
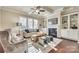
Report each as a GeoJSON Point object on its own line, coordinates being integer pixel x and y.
{"type": "Point", "coordinates": [28, 10]}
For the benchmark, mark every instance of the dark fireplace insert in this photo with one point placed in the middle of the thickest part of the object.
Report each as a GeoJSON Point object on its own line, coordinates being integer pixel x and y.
{"type": "Point", "coordinates": [52, 32]}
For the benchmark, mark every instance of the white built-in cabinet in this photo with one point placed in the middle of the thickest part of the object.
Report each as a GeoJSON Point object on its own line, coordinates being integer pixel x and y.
{"type": "Point", "coordinates": [70, 26]}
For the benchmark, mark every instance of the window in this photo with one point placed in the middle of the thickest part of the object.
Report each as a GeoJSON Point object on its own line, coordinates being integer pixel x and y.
{"type": "Point", "coordinates": [30, 23]}
{"type": "Point", "coordinates": [23, 22]}
{"type": "Point", "coordinates": [35, 24]}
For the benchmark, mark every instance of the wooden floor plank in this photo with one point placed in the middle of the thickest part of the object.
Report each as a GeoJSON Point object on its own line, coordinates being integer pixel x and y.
{"type": "Point", "coordinates": [67, 46]}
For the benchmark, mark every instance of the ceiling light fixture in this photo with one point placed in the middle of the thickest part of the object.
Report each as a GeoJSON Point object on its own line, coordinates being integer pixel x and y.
{"type": "Point", "coordinates": [37, 10]}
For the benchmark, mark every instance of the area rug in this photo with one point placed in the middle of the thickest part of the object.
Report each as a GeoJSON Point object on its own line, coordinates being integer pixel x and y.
{"type": "Point", "coordinates": [55, 42]}
{"type": "Point", "coordinates": [32, 49]}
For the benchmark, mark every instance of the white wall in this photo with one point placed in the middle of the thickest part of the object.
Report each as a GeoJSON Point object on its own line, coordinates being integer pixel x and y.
{"type": "Point", "coordinates": [8, 20]}
{"type": "Point", "coordinates": [40, 24]}
{"type": "Point", "coordinates": [0, 18]}
{"type": "Point", "coordinates": [56, 14]}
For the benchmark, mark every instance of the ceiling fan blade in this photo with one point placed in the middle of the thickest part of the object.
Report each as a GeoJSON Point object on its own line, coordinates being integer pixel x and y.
{"type": "Point", "coordinates": [42, 10]}
{"type": "Point", "coordinates": [47, 8]}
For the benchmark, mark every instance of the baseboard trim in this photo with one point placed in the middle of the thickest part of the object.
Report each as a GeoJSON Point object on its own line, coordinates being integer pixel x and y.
{"type": "Point", "coordinates": [67, 39]}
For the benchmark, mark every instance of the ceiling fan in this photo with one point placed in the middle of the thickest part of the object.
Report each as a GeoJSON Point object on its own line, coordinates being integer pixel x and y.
{"type": "Point", "coordinates": [38, 9]}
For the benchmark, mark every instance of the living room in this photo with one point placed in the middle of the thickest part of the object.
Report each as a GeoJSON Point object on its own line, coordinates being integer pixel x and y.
{"type": "Point", "coordinates": [39, 29]}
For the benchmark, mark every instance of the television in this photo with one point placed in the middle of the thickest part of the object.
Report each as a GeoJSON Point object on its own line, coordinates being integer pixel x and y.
{"type": "Point", "coordinates": [53, 21]}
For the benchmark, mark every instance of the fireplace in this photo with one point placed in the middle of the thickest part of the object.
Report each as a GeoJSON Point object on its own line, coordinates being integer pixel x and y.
{"type": "Point", "coordinates": [52, 32]}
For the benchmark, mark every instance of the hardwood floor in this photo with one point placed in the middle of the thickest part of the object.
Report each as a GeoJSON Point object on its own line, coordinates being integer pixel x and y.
{"type": "Point", "coordinates": [67, 46]}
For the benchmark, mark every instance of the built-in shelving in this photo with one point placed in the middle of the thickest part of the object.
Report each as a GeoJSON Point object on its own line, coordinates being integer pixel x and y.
{"type": "Point", "coordinates": [65, 22]}
{"type": "Point", "coordinates": [73, 21]}
{"type": "Point", "coordinates": [69, 26]}
{"type": "Point", "coordinates": [70, 20]}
